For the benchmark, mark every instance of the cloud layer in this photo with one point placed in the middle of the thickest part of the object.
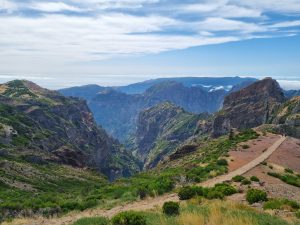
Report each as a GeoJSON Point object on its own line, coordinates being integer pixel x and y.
{"type": "Point", "coordinates": [72, 31]}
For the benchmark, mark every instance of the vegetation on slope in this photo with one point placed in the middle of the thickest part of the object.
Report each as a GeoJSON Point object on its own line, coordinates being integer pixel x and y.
{"type": "Point", "coordinates": [200, 212]}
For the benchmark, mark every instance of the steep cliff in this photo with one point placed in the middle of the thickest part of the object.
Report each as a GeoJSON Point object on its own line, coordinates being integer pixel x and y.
{"type": "Point", "coordinates": [287, 117]}
{"type": "Point", "coordinates": [249, 107]}
{"type": "Point", "coordinates": [34, 119]}
{"type": "Point", "coordinates": [161, 129]}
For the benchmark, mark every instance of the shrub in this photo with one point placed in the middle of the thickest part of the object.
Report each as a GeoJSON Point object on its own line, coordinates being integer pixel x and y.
{"type": "Point", "coordinates": [255, 195]}
{"type": "Point", "coordinates": [171, 208]}
{"type": "Point", "coordinates": [222, 162]}
{"type": "Point", "coordinates": [129, 218]}
{"type": "Point", "coordinates": [238, 178]}
{"type": "Point", "coordinates": [225, 189]}
{"type": "Point", "coordinates": [142, 192]}
{"type": "Point", "coordinates": [297, 214]}
{"type": "Point", "coordinates": [189, 192]}
{"type": "Point", "coordinates": [214, 194]}
{"type": "Point", "coordinates": [246, 182]}
{"type": "Point", "coordinates": [264, 163]}
{"type": "Point", "coordinates": [245, 146]}
{"type": "Point", "coordinates": [92, 221]}
{"type": "Point", "coordinates": [254, 179]}
{"type": "Point", "coordinates": [288, 170]}
{"type": "Point", "coordinates": [281, 204]}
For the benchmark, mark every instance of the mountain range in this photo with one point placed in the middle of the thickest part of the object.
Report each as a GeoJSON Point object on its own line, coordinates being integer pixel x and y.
{"type": "Point", "coordinates": [55, 158]}
{"type": "Point", "coordinates": [117, 108]}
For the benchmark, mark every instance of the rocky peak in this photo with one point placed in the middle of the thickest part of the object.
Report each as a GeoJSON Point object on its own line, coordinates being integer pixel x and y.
{"type": "Point", "coordinates": [267, 88]}
{"type": "Point", "coordinates": [249, 107]}
{"type": "Point", "coordinates": [47, 122]}
{"type": "Point", "coordinates": [160, 129]}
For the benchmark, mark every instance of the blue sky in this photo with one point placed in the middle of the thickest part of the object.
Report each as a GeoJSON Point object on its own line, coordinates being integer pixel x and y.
{"type": "Point", "coordinates": [113, 42]}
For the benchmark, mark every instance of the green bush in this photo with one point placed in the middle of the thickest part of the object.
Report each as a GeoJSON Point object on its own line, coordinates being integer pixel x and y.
{"type": "Point", "coordinates": [92, 221]}
{"type": "Point", "coordinates": [246, 182]}
{"type": "Point", "coordinates": [189, 192]}
{"type": "Point", "coordinates": [287, 178]}
{"type": "Point", "coordinates": [254, 179]}
{"type": "Point", "coordinates": [142, 192]}
{"type": "Point", "coordinates": [222, 162]}
{"type": "Point", "coordinates": [214, 194]}
{"type": "Point", "coordinates": [281, 204]}
{"type": "Point", "coordinates": [129, 218]}
{"type": "Point", "coordinates": [238, 178]}
{"type": "Point", "coordinates": [255, 195]}
{"type": "Point", "coordinates": [225, 189]}
{"type": "Point", "coordinates": [297, 214]}
{"type": "Point", "coordinates": [171, 208]}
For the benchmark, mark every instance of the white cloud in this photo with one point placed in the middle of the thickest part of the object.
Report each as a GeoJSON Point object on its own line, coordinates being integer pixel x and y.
{"type": "Point", "coordinates": [54, 7]}
{"type": "Point", "coordinates": [294, 23]}
{"type": "Point", "coordinates": [289, 84]}
{"type": "Point", "coordinates": [221, 9]}
{"type": "Point", "coordinates": [8, 6]}
{"type": "Point", "coordinates": [221, 24]}
{"type": "Point", "coordinates": [282, 6]}
{"type": "Point", "coordinates": [109, 28]}
{"type": "Point", "coordinates": [116, 4]}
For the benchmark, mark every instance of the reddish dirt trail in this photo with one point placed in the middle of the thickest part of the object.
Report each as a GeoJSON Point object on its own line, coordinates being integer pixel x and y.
{"type": "Point", "coordinates": [147, 203]}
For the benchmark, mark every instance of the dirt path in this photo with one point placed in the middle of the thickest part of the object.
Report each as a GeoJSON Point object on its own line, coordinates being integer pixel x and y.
{"type": "Point", "coordinates": [247, 167]}
{"type": "Point", "coordinates": [148, 203]}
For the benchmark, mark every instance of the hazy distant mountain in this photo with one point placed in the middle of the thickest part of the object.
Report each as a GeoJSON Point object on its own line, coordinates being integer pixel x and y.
{"type": "Point", "coordinates": [117, 109]}
{"type": "Point", "coordinates": [86, 92]}
{"type": "Point", "coordinates": [208, 83]}
{"type": "Point", "coordinates": [292, 93]}
{"type": "Point", "coordinates": [117, 112]}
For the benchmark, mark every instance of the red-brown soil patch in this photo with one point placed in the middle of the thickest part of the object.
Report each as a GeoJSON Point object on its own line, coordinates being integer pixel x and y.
{"type": "Point", "coordinates": [242, 156]}
{"type": "Point", "coordinates": [287, 155]}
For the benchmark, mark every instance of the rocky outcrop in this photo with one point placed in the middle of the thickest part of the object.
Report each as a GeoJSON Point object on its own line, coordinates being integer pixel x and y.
{"type": "Point", "coordinates": [250, 107]}
{"type": "Point", "coordinates": [287, 117]}
{"type": "Point", "coordinates": [46, 121]}
{"type": "Point", "coordinates": [160, 130]}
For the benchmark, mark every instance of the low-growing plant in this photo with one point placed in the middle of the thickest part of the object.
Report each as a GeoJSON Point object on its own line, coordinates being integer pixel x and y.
{"type": "Point", "coordinates": [189, 192]}
{"type": "Point", "coordinates": [254, 179]}
{"type": "Point", "coordinates": [297, 214]}
{"type": "Point", "coordinates": [281, 204]}
{"type": "Point", "coordinates": [171, 208]}
{"type": "Point", "coordinates": [92, 221]}
{"type": "Point", "coordinates": [245, 146]}
{"type": "Point", "coordinates": [287, 178]}
{"type": "Point", "coordinates": [246, 182]}
{"type": "Point", "coordinates": [129, 218]}
{"type": "Point", "coordinates": [222, 162]}
{"type": "Point", "coordinates": [238, 178]}
{"type": "Point", "coordinates": [214, 194]}
{"type": "Point", "coordinates": [288, 170]}
{"type": "Point", "coordinates": [256, 195]}
{"type": "Point", "coordinates": [225, 189]}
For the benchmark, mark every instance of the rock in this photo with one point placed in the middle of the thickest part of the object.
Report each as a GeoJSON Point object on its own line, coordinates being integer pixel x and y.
{"type": "Point", "coordinates": [248, 108]}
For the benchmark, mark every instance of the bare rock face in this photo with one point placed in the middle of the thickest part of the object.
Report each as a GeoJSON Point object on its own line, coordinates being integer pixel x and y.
{"type": "Point", "coordinates": [287, 117]}
{"type": "Point", "coordinates": [250, 107]}
{"type": "Point", "coordinates": [161, 129]}
{"type": "Point", "coordinates": [44, 121]}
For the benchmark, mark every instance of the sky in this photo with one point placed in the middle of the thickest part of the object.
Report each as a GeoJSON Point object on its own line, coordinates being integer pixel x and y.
{"type": "Point", "coordinates": [62, 43]}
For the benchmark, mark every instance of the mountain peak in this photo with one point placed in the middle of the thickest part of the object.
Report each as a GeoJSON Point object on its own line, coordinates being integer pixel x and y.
{"type": "Point", "coordinates": [23, 89]}
{"type": "Point", "coordinates": [249, 107]}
